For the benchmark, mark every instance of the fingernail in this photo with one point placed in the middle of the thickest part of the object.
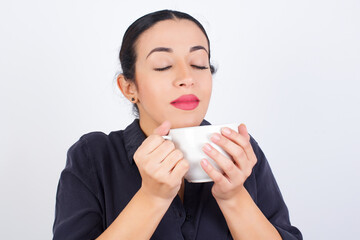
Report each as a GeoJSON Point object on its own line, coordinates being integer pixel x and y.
{"type": "Point", "coordinates": [215, 137]}
{"type": "Point", "coordinates": [207, 148]}
{"type": "Point", "coordinates": [204, 162]}
{"type": "Point", "coordinates": [226, 131]}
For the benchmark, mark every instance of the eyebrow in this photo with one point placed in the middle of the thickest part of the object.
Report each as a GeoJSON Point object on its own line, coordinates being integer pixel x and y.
{"type": "Point", "coordinates": [165, 49]}
{"type": "Point", "coordinates": [198, 48]}
{"type": "Point", "coordinates": [160, 49]}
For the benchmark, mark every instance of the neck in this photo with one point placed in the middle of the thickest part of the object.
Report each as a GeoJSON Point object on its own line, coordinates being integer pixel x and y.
{"type": "Point", "coordinates": [147, 126]}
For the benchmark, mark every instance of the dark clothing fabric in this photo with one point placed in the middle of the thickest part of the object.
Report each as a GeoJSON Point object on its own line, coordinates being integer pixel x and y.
{"type": "Point", "coordinates": [101, 177]}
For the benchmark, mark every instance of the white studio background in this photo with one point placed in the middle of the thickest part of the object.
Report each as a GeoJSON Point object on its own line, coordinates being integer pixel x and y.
{"type": "Point", "coordinates": [290, 70]}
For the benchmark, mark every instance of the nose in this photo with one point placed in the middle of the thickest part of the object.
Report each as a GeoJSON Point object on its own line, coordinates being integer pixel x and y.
{"type": "Point", "coordinates": [184, 77]}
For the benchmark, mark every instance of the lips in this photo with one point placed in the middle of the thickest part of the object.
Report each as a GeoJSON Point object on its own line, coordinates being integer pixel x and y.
{"type": "Point", "coordinates": [186, 102]}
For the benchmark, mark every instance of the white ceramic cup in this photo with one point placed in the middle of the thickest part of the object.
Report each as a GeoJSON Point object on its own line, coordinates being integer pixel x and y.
{"type": "Point", "coordinates": [190, 141]}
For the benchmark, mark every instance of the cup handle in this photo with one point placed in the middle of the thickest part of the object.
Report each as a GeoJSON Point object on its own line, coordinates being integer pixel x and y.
{"type": "Point", "coordinates": [167, 137]}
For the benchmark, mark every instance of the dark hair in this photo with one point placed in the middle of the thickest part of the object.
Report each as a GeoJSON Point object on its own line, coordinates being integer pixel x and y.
{"type": "Point", "coordinates": [127, 53]}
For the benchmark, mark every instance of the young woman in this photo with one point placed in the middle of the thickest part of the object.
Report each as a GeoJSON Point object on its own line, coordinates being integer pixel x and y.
{"type": "Point", "coordinates": [130, 184]}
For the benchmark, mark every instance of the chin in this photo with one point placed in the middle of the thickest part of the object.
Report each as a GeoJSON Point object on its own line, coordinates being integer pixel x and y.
{"type": "Point", "coordinates": [187, 122]}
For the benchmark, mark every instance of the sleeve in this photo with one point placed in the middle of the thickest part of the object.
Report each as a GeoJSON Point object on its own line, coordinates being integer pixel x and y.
{"type": "Point", "coordinates": [269, 198]}
{"type": "Point", "coordinates": [78, 213]}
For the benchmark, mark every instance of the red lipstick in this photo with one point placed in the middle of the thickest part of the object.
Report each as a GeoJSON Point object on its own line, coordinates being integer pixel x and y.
{"type": "Point", "coordinates": [186, 102]}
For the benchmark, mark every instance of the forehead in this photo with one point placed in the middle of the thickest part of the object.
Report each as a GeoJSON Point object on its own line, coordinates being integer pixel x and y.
{"type": "Point", "coordinates": [173, 33]}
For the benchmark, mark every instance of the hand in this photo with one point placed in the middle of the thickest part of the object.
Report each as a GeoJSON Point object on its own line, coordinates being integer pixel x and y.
{"type": "Point", "coordinates": [237, 169]}
{"type": "Point", "coordinates": [161, 166]}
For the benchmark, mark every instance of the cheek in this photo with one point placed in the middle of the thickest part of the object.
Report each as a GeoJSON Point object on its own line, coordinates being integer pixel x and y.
{"type": "Point", "coordinates": [149, 93]}
{"type": "Point", "coordinates": [207, 91]}
{"type": "Point", "coordinates": [207, 85]}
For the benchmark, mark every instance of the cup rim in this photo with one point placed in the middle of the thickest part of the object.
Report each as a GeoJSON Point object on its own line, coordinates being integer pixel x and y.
{"type": "Point", "coordinates": [215, 125]}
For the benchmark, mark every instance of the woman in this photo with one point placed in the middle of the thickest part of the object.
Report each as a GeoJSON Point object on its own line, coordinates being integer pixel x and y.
{"type": "Point", "coordinates": [130, 184]}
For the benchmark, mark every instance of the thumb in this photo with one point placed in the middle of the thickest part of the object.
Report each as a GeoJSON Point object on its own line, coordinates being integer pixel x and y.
{"type": "Point", "coordinates": [163, 129]}
{"type": "Point", "coordinates": [243, 131]}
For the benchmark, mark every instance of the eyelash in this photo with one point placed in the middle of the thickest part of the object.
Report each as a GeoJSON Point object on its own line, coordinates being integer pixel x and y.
{"type": "Point", "coordinates": [195, 66]}
{"type": "Point", "coordinates": [162, 69]}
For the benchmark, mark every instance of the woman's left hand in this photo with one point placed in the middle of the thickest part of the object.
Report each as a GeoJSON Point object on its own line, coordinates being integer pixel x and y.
{"type": "Point", "coordinates": [236, 169]}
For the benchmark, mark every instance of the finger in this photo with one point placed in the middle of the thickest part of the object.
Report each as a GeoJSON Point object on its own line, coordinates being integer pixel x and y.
{"type": "Point", "coordinates": [232, 149]}
{"type": "Point", "coordinates": [162, 151]}
{"type": "Point", "coordinates": [163, 129]}
{"type": "Point", "coordinates": [180, 169]}
{"type": "Point", "coordinates": [226, 164]}
{"type": "Point", "coordinates": [213, 173]}
{"type": "Point", "coordinates": [243, 131]}
{"type": "Point", "coordinates": [150, 144]}
{"type": "Point", "coordinates": [171, 160]}
{"type": "Point", "coordinates": [241, 140]}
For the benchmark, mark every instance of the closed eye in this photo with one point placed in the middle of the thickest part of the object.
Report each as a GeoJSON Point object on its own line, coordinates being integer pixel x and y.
{"type": "Point", "coordinates": [162, 69]}
{"type": "Point", "coordinates": [194, 66]}
{"type": "Point", "coordinates": [199, 67]}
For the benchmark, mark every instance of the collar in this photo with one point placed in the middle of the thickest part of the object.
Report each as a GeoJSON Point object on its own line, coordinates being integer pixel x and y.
{"type": "Point", "coordinates": [134, 136]}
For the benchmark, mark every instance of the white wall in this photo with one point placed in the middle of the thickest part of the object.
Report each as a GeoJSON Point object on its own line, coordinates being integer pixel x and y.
{"type": "Point", "coordinates": [288, 69]}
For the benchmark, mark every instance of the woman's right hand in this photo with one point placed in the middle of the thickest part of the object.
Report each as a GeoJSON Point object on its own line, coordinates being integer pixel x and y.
{"type": "Point", "coordinates": [161, 165]}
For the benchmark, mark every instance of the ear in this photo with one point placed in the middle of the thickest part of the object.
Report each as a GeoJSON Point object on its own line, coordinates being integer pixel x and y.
{"type": "Point", "coordinates": [128, 88]}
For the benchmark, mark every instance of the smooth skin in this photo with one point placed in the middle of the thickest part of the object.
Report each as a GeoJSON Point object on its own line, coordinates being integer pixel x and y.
{"type": "Point", "coordinates": [161, 165]}
{"type": "Point", "coordinates": [163, 76]}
